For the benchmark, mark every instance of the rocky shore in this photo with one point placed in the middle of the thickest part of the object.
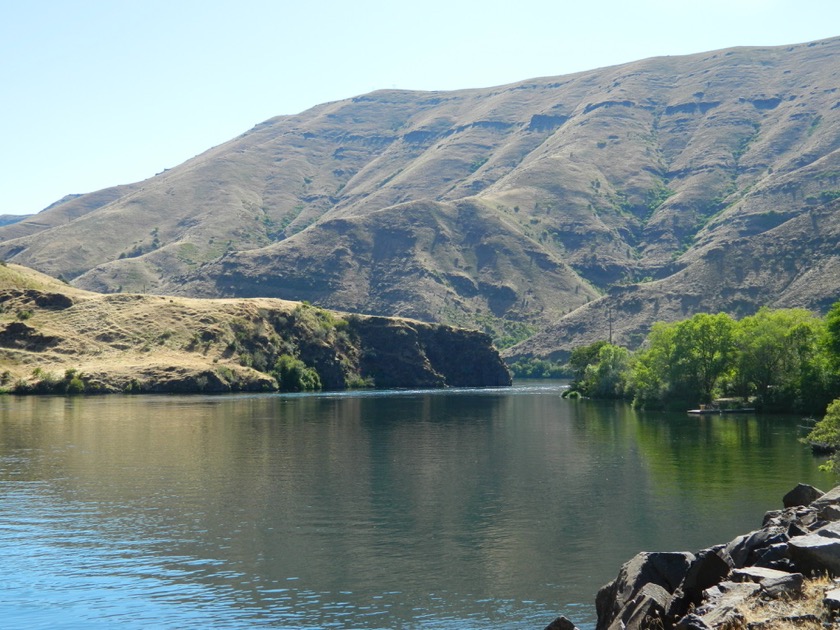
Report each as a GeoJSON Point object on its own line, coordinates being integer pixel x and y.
{"type": "Point", "coordinates": [781, 575]}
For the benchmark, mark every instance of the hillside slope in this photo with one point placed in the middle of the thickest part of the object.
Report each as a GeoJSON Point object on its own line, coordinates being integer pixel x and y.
{"type": "Point", "coordinates": [510, 208]}
{"type": "Point", "coordinates": [131, 342]}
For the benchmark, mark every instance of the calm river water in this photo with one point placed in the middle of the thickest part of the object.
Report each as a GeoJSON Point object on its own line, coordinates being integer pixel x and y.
{"type": "Point", "coordinates": [448, 509]}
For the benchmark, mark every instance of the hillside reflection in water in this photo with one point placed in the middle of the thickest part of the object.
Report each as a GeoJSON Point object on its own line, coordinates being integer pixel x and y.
{"type": "Point", "coordinates": [457, 509]}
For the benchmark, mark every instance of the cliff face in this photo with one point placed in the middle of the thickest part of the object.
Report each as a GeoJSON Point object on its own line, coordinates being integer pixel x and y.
{"type": "Point", "coordinates": [52, 334]}
{"type": "Point", "coordinates": [399, 353]}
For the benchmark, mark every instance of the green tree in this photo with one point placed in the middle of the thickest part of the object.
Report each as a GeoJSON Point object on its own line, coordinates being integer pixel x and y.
{"type": "Point", "coordinates": [581, 357]}
{"type": "Point", "coordinates": [832, 325]}
{"type": "Point", "coordinates": [705, 351]}
{"type": "Point", "coordinates": [655, 367]}
{"type": "Point", "coordinates": [606, 377]}
{"type": "Point", "coordinates": [778, 351]}
{"type": "Point", "coordinates": [683, 362]}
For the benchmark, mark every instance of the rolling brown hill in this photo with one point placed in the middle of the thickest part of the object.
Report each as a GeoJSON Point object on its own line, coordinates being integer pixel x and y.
{"type": "Point", "coordinates": [571, 205]}
{"type": "Point", "coordinates": [152, 343]}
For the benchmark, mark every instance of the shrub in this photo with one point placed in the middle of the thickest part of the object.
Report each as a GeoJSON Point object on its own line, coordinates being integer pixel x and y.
{"type": "Point", "coordinates": [826, 433]}
{"type": "Point", "coordinates": [293, 375]}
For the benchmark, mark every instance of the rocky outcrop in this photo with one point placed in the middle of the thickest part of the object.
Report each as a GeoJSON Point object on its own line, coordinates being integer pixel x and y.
{"type": "Point", "coordinates": [404, 353]}
{"type": "Point", "coordinates": [712, 588]}
{"type": "Point", "coordinates": [52, 334]}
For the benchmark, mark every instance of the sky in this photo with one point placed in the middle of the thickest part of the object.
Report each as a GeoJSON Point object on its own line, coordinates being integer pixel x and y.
{"type": "Point", "coordinates": [96, 93]}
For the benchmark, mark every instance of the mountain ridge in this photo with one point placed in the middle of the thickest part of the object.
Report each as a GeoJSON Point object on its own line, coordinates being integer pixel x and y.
{"type": "Point", "coordinates": [515, 209]}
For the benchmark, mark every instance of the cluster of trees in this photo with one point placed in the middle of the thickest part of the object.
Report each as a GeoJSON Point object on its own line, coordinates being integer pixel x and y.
{"type": "Point", "coordinates": [785, 360]}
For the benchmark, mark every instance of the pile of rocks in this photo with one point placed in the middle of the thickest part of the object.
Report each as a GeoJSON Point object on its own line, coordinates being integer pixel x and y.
{"type": "Point", "coordinates": [707, 590]}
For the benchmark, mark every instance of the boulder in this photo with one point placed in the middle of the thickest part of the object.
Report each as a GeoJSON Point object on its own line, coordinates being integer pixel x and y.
{"type": "Point", "coordinates": [817, 552]}
{"type": "Point", "coordinates": [561, 623]}
{"type": "Point", "coordinates": [664, 569]}
{"type": "Point", "coordinates": [802, 494]}
{"type": "Point", "coordinates": [773, 583]}
{"type": "Point", "coordinates": [775, 557]}
{"type": "Point", "coordinates": [745, 549]}
{"type": "Point", "coordinates": [788, 585]}
{"type": "Point", "coordinates": [755, 574]}
{"type": "Point", "coordinates": [828, 503]}
{"type": "Point", "coordinates": [692, 622]}
{"type": "Point", "coordinates": [723, 602]}
{"type": "Point", "coordinates": [831, 600]}
{"type": "Point", "coordinates": [708, 568]}
{"type": "Point", "coordinates": [643, 609]}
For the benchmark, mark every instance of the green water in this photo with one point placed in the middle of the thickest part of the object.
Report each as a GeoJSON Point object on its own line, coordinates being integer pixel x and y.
{"type": "Point", "coordinates": [459, 509]}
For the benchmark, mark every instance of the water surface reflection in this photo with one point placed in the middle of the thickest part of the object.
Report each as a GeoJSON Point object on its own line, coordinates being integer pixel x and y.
{"type": "Point", "coordinates": [458, 509]}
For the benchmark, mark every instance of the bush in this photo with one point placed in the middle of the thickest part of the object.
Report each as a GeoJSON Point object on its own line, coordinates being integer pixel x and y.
{"type": "Point", "coordinates": [826, 433]}
{"type": "Point", "coordinates": [294, 376]}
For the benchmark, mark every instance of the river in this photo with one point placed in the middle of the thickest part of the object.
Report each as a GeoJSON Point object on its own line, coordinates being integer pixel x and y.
{"type": "Point", "coordinates": [497, 508]}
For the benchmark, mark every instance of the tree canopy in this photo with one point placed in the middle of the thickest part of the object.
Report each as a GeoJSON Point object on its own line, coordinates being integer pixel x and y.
{"type": "Point", "coordinates": [784, 359]}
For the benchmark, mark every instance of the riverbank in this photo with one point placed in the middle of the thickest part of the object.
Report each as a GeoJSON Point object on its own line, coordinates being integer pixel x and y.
{"type": "Point", "coordinates": [782, 575]}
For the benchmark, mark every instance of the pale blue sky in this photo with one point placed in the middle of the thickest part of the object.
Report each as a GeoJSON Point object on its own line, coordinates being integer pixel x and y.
{"type": "Point", "coordinates": [103, 92]}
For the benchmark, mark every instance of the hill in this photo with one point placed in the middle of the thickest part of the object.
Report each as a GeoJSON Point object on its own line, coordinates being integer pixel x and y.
{"type": "Point", "coordinates": [51, 333]}
{"type": "Point", "coordinates": [571, 205]}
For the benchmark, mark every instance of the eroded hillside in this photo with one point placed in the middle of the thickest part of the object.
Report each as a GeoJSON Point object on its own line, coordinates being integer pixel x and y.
{"type": "Point", "coordinates": [700, 182]}
{"type": "Point", "coordinates": [145, 343]}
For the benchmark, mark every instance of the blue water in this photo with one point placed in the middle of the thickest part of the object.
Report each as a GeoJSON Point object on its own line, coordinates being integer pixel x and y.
{"type": "Point", "coordinates": [413, 509]}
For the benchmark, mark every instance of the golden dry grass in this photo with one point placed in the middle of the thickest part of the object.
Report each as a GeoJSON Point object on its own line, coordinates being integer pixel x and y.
{"type": "Point", "coordinates": [120, 337]}
{"type": "Point", "coordinates": [800, 613]}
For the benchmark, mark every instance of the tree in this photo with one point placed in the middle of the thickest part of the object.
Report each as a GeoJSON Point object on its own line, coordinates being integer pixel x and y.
{"type": "Point", "coordinates": [655, 367]}
{"type": "Point", "coordinates": [581, 357]}
{"type": "Point", "coordinates": [607, 376]}
{"type": "Point", "coordinates": [683, 361]}
{"type": "Point", "coordinates": [832, 325]}
{"type": "Point", "coordinates": [705, 350]}
{"type": "Point", "coordinates": [777, 350]}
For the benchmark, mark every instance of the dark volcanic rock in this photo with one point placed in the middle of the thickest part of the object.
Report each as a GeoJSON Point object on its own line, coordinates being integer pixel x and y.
{"type": "Point", "coordinates": [561, 623]}
{"type": "Point", "coordinates": [802, 494]}
{"type": "Point", "coordinates": [679, 590]}
{"type": "Point", "coordinates": [663, 569]}
{"type": "Point", "coordinates": [403, 353]}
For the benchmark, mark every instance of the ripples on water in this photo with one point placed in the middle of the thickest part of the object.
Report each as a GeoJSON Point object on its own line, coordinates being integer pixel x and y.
{"type": "Point", "coordinates": [446, 509]}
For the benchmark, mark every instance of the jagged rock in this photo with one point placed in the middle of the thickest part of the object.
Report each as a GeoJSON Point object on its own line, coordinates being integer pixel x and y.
{"type": "Point", "coordinates": [708, 568]}
{"type": "Point", "coordinates": [745, 549]}
{"type": "Point", "coordinates": [830, 512]}
{"type": "Point", "coordinates": [796, 519]}
{"type": "Point", "coordinates": [642, 609]}
{"type": "Point", "coordinates": [755, 574]}
{"type": "Point", "coordinates": [561, 623]}
{"type": "Point", "coordinates": [723, 601]}
{"type": "Point", "coordinates": [773, 583]}
{"type": "Point", "coordinates": [692, 622]}
{"type": "Point", "coordinates": [829, 503]}
{"type": "Point", "coordinates": [818, 551]}
{"type": "Point", "coordinates": [802, 494]}
{"type": "Point", "coordinates": [832, 600]}
{"type": "Point", "coordinates": [665, 569]}
{"type": "Point", "coordinates": [775, 557]}
{"type": "Point", "coordinates": [786, 585]}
